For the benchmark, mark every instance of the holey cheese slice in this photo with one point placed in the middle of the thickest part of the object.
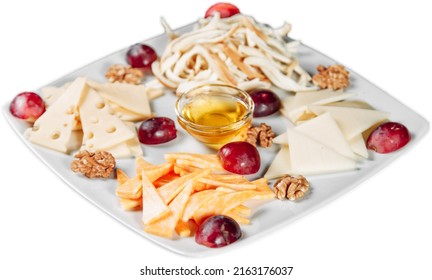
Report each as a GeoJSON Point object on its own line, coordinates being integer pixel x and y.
{"type": "Point", "coordinates": [102, 129]}
{"type": "Point", "coordinates": [309, 156]}
{"type": "Point", "coordinates": [54, 128]}
{"type": "Point", "coordinates": [130, 97]}
{"type": "Point", "coordinates": [352, 121]}
{"type": "Point", "coordinates": [295, 107]}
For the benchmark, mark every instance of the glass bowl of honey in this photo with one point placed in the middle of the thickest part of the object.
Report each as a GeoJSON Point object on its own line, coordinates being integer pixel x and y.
{"type": "Point", "coordinates": [215, 114]}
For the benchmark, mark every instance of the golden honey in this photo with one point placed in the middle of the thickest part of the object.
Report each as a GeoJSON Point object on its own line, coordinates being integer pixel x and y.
{"type": "Point", "coordinates": [215, 115]}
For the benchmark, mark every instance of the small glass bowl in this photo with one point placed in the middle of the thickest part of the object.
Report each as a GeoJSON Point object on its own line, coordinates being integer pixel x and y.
{"type": "Point", "coordinates": [215, 114]}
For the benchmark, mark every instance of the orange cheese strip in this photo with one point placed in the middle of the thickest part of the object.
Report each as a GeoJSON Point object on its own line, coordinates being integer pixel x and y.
{"type": "Point", "coordinates": [142, 164]}
{"type": "Point", "coordinates": [131, 204]}
{"type": "Point", "coordinates": [165, 179]}
{"type": "Point", "coordinates": [234, 186]}
{"type": "Point", "coordinates": [121, 176]}
{"type": "Point", "coordinates": [165, 227]}
{"type": "Point", "coordinates": [237, 217]}
{"type": "Point", "coordinates": [222, 203]}
{"type": "Point", "coordinates": [242, 210]}
{"type": "Point", "coordinates": [172, 189]}
{"type": "Point", "coordinates": [158, 171]}
{"type": "Point", "coordinates": [131, 189]}
{"type": "Point", "coordinates": [197, 200]}
{"type": "Point", "coordinates": [209, 160]}
{"type": "Point", "coordinates": [153, 206]}
{"type": "Point", "coordinates": [182, 228]}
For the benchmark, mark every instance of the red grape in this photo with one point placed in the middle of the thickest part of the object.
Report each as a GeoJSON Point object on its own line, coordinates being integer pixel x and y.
{"type": "Point", "coordinates": [157, 130]}
{"type": "Point", "coordinates": [388, 137]}
{"type": "Point", "coordinates": [266, 102]}
{"type": "Point", "coordinates": [28, 106]}
{"type": "Point", "coordinates": [218, 231]}
{"type": "Point", "coordinates": [224, 9]}
{"type": "Point", "coordinates": [240, 158]}
{"type": "Point", "coordinates": [141, 56]}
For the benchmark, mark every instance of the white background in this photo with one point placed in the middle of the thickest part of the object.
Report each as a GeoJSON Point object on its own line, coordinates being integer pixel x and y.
{"type": "Point", "coordinates": [379, 230]}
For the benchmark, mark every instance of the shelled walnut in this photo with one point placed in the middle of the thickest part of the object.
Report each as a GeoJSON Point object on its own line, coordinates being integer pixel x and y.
{"type": "Point", "coordinates": [262, 135]}
{"type": "Point", "coordinates": [334, 77]}
{"type": "Point", "coordinates": [291, 187]}
{"type": "Point", "coordinates": [99, 164]}
{"type": "Point", "coordinates": [124, 74]}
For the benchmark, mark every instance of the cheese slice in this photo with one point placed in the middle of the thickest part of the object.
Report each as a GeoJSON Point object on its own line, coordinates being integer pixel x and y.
{"type": "Point", "coordinates": [325, 130]}
{"type": "Point", "coordinates": [131, 97]}
{"type": "Point", "coordinates": [51, 94]}
{"type": "Point", "coordinates": [352, 121]}
{"type": "Point", "coordinates": [297, 106]}
{"type": "Point", "coordinates": [311, 157]}
{"type": "Point", "coordinates": [358, 146]}
{"type": "Point", "coordinates": [129, 148]}
{"type": "Point", "coordinates": [102, 128]}
{"type": "Point", "coordinates": [126, 115]}
{"type": "Point", "coordinates": [281, 164]}
{"type": "Point", "coordinates": [54, 128]}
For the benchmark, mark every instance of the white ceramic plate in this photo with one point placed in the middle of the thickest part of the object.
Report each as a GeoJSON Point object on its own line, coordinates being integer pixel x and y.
{"type": "Point", "coordinates": [265, 218]}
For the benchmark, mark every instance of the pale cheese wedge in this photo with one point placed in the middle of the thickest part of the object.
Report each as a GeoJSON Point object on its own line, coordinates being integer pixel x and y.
{"type": "Point", "coordinates": [358, 146]}
{"type": "Point", "coordinates": [295, 107]}
{"type": "Point", "coordinates": [309, 156]}
{"type": "Point", "coordinates": [352, 121]}
{"type": "Point", "coordinates": [54, 128]}
{"type": "Point", "coordinates": [101, 128]}
{"type": "Point", "coordinates": [325, 130]}
{"type": "Point", "coordinates": [281, 164]}
{"type": "Point", "coordinates": [130, 97]}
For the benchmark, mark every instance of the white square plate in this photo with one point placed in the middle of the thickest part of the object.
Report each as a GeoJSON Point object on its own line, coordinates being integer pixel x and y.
{"type": "Point", "coordinates": [265, 218]}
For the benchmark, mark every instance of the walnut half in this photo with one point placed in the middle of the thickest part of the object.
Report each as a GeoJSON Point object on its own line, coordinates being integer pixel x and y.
{"type": "Point", "coordinates": [334, 77]}
{"type": "Point", "coordinates": [124, 74]}
{"type": "Point", "coordinates": [99, 164]}
{"type": "Point", "coordinates": [291, 187]}
{"type": "Point", "coordinates": [262, 135]}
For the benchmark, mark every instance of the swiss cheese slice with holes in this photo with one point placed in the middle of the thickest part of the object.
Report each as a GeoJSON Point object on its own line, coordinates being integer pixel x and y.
{"type": "Point", "coordinates": [126, 115]}
{"type": "Point", "coordinates": [54, 128]}
{"type": "Point", "coordinates": [352, 121]}
{"type": "Point", "coordinates": [309, 156]}
{"type": "Point", "coordinates": [50, 94]}
{"type": "Point", "coordinates": [102, 128]}
{"type": "Point", "coordinates": [129, 148]}
{"type": "Point", "coordinates": [133, 98]}
{"type": "Point", "coordinates": [297, 106]}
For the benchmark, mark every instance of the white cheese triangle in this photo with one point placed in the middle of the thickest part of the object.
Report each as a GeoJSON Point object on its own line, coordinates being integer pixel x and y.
{"type": "Point", "coordinates": [352, 121]}
{"type": "Point", "coordinates": [311, 157]}
{"type": "Point", "coordinates": [298, 105]}
{"type": "Point", "coordinates": [54, 128]}
{"type": "Point", "coordinates": [358, 146]}
{"type": "Point", "coordinates": [325, 130]}
{"type": "Point", "coordinates": [131, 97]}
{"type": "Point", "coordinates": [281, 164]}
{"type": "Point", "coordinates": [102, 128]}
